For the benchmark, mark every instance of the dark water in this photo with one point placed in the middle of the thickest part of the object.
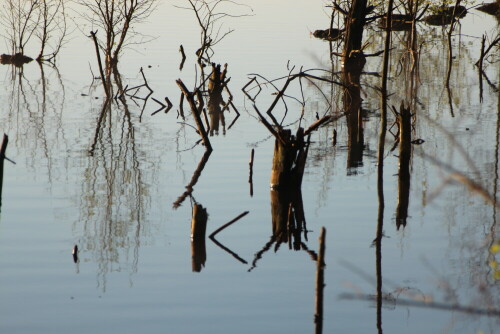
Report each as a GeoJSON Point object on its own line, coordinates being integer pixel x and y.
{"type": "Point", "coordinates": [108, 186]}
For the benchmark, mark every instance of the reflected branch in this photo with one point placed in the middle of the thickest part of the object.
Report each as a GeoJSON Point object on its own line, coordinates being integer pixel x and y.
{"type": "Point", "coordinates": [428, 305]}
{"type": "Point", "coordinates": [194, 179]}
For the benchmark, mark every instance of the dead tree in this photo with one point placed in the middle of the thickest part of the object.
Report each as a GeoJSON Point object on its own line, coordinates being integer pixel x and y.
{"type": "Point", "coordinates": [355, 23]}
{"type": "Point", "coordinates": [116, 19]}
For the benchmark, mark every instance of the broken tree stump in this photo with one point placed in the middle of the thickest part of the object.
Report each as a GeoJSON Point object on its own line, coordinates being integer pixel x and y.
{"type": "Point", "coordinates": [289, 159]}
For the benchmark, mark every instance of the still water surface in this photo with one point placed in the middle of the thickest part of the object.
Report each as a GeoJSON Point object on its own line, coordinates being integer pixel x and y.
{"type": "Point", "coordinates": [134, 272]}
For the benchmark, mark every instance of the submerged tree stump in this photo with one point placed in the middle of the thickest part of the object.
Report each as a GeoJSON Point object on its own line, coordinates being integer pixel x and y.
{"type": "Point", "coordinates": [289, 159]}
{"type": "Point", "coordinates": [216, 84]}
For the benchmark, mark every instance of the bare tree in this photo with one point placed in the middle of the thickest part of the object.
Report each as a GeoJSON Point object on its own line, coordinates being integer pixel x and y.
{"type": "Point", "coordinates": [21, 19]}
{"type": "Point", "coordinates": [210, 16]}
{"type": "Point", "coordinates": [52, 18]}
{"type": "Point", "coordinates": [116, 18]}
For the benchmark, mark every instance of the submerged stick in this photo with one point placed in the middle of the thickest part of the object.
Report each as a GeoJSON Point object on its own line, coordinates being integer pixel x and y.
{"type": "Point", "coordinates": [251, 165]}
{"type": "Point", "coordinates": [228, 224]}
{"type": "Point", "coordinates": [196, 114]}
{"type": "Point", "coordinates": [181, 50]}
{"type": "Point", "coordinates": [250, 176]}
{"type": "Point", "coordinates": [101, 71]}
{"type": "Point", "coordinates": [2, 158]}
{"type": "Point", "coordinates": [233, 254]}
{"type": "Point", "coordinates": [320, 283]}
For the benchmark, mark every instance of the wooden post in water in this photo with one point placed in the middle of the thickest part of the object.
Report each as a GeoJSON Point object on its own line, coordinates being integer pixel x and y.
{"type": "Point", "coordinates": [198, 231]}
{"type": "Point", "coordinates": [320, 283]}
{"type": "Point", "coordinates": [2, 158]}
{"type": "Point", "coordinates": [404, 121]}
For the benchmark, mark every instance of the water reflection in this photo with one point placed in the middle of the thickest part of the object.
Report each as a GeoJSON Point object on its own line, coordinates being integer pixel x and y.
{"type": "Point", "coordinates": [114, 194]}
{"type": "Point", "coordinates": [351, 74]}
{"type": "Point", "coordinates": [34, 114]}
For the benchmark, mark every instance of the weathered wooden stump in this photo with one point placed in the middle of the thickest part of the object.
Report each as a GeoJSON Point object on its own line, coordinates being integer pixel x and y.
{"type": "Point", "coordinates": [289, 159]}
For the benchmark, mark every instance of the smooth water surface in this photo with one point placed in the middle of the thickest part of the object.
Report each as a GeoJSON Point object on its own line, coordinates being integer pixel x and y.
{"type": "Point", "coordinates": [109, 188]}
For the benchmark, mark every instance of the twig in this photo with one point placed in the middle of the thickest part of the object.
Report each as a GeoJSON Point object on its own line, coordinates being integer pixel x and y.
{"type": "Point", "coordinates": [196, 114]}
{"type": "Point", "coordinates": [251, 166]}
{"type": "Point", "coordinates": [228, 224]}
{"type": "Point", "coordinates": [169, 105]}
{"type": "Point", "coordinates": [145, 81]}
{"type": "Point", "coordinates": [236, 256]}
{"type": "Point", "coordinates": [181, 50]}
{"type": "Point", "coordinates": [93, 34]}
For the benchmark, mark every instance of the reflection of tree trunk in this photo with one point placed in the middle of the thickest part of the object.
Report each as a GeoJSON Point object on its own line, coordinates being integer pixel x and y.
{"type": "Point", "coordinates": [288, 218]}
{"type": "Point", "coordinates": [198, 229]}
{"type": "Point", "coordinates": [352, 104]}
{"type": "Point", "coordinates": [354, 29]}
{"type": "Point", "coordinates": [404, 120]}
{"type": "Point", "coordinates": [353, 65]}
{"type": "Point", "coordinates": [194, 179]}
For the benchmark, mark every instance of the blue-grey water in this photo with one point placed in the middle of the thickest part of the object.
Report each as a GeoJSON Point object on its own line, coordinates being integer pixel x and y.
{"type": "Point", "coordinates": [440, 272]}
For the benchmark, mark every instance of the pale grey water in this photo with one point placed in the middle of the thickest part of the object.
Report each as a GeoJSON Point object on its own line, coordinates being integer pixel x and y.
{"type": "Point", "coordinates": [134, 273]}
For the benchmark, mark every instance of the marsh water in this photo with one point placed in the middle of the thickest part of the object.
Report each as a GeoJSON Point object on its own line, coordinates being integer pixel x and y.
{"type": "Point", "coordinates": [109, 184]}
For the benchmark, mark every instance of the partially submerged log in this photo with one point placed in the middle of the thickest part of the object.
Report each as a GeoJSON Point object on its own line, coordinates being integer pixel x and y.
{"type": "Point", "coordinates": [17, 59]}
